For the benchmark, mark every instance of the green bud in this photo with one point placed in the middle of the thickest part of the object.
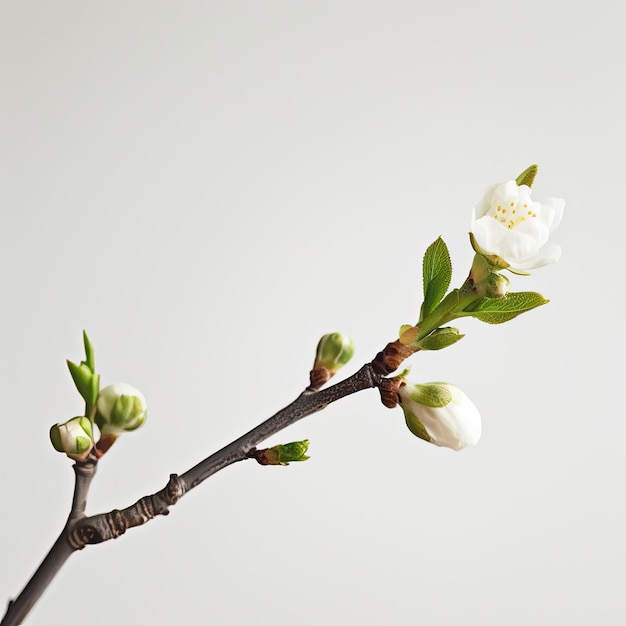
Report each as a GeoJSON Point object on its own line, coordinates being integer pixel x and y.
{"type": "Point", "coordinates": [283, 454]}
{"type": "Point", "coordinates": [74, 437]}
{"type": "Point", "coordinates": [120, 407]}
{"type": "Point", "coordinates": [486, 280]}
{"type": "Point", "coordinates": [334, 351]}
{"type": "Point", "coordinates": [497, 285]}
{"type": "Point", "coordinates": [440, 338]}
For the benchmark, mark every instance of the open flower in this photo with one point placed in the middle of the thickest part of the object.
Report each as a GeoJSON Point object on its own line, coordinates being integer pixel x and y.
{"type": "Point", "coordinates": [512, 230]}
{"type": "Point", "coordinates": [441, 414]}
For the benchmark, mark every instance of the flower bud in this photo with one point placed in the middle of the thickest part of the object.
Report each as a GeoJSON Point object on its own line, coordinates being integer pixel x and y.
{"type": "Point", "coordinates": [486, 280]}
{"type": "Point", "coordinates": [333, 352]}
{"type": "Point", "coordinates": [74, 437]}
{"type": "Point", "coordinates": [441, 414]}
{"type": "Point", "coordinates": [497, 285]}
{"type": "Point", "coordinates": [120, 407]}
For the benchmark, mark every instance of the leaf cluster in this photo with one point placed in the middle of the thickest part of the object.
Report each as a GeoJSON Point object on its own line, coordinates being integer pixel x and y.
{"type": "Point", "coordinates": [85, 378]}
{"type": "Point", "coordinates": [464, 302]}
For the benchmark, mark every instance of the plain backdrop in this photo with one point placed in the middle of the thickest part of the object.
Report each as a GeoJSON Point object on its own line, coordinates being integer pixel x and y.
{"type": "Point", "coordinates": [207, 188]}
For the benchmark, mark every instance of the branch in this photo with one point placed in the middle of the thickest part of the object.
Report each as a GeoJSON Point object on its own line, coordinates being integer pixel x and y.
{"type": "Point", "coordinates": [105, 526]}
{"type": "Point", "coordinates": [19, 608]}
{"type": "Point", "coordinates": [81, 530]}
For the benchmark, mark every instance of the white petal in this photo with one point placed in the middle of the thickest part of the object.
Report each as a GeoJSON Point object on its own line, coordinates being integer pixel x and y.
{"type": "Point", "coordinates": [554, 209]}
{"type": "Point", "coordinates": [486, 201]}
{"type": "Point", "coordinates": [489, 233]}
{"type": "Point", "coordinates": [455, 425]}
{"type": "Point", "coordinates": [550, 253]}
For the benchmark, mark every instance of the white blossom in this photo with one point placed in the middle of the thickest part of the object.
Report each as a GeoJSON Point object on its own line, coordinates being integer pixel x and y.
{"type": "Point", "coordinates": [507, 224]}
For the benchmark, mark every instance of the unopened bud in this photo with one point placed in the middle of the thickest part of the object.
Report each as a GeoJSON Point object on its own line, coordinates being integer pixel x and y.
{"type": "Point", "coordinates": [120, 407]}
{"type": "Point", "coordinates": [497, 285]}
{"type": "Point", "coordinates": [333, 352]}
{"type": "Point", "coordinates": [486, 279]}
{"type": "Point", "coordinates": [441, 414]}
{"type": "Point", "coordinates": [74, 437]}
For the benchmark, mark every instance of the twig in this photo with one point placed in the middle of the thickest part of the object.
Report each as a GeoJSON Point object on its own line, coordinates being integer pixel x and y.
{"type": "Point", "coordinates": [81, 530]}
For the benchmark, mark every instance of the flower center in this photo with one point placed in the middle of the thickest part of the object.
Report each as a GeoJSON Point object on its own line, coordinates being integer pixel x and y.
{"type": "Point", "coordinates": [512, 214]}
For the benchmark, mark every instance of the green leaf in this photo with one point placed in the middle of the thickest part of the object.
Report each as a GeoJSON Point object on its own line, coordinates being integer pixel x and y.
{"type": "Point", "coordinates": [294, 451]}
{"type": "Point", "coordinates": [499, 310]}
{"type": "Point", "coordinates": [85, 380]}
{"type": "Point", "coordinates": [527, 177]}
{"type": "Point", "coordinates": [437, 272]}
{"type": "Point", "coordinates": [89, 355]}
{"type": "Point", "coordinates": [283, 454]}
{"type": "Point", "coordinates": [441, 338]}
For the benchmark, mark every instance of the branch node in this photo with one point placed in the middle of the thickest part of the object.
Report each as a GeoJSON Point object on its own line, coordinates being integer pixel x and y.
{"type": "Point", "coordinates": [319, 376]}
{"type": "Point", "coordinates": [390, 358]}
{"type": "Point", "coordinates": [389, 388]}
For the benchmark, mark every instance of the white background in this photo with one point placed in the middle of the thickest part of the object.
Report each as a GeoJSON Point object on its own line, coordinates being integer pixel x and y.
{"type": "Point", "coordinates": [207, 188]}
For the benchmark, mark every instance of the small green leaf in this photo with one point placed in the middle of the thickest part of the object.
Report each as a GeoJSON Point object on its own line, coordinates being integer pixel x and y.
{"type": "Point", "coordinates": [94, 391]}
{"type": "Point", "coordinates": [499, 310]}
{"type": "Point", "coordinates": [294, 451]}
{"type": "Point", "coordinates": [89, 355]}
{"type": "Point", "coordinates": [83, 378]}
{"type": "Point", "coordinates": [527, 177]}
{"type": "Point", "coordinates": [437, 273]}
{"type": "Point", "coordinates": [283, 454]}
{"type": "Point", "coordinates": [441, 338]}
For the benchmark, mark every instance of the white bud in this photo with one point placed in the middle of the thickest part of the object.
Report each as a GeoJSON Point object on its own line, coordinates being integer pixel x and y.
{"type": "Point", "coordinates": [120, 407]}
{"type": "Point", "coordinates": [75, 437]}
{"type": "Point", "coordinates": [441, 414]}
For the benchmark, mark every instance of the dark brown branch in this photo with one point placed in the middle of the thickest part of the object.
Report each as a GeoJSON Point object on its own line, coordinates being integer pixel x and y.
{"type": "Point", "coordinates": [105, 526]}
{"type": "Point", "coordinates": [80, 530]}
{"type": "Point", "coordinates": [307, 403]}
{"type": "Point", "coordinates": [19, 608]}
